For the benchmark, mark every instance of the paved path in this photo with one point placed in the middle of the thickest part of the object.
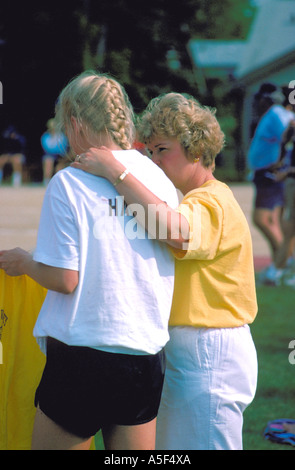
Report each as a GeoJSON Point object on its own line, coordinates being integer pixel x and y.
{"type": "Point", "coordinates": [19, 216]}
{"type": "Point", "coordinates": [20, 211]}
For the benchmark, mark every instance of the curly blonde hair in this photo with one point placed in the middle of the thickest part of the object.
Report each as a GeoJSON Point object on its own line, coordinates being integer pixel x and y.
{"type": "Point", "coordinates": [181, 116]}
{"type": "Point", "coordinates": [99, 104]}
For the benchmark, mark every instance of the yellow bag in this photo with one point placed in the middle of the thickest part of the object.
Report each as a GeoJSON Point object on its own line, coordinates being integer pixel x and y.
{"type": "Point", "coordinates": [21, 361]}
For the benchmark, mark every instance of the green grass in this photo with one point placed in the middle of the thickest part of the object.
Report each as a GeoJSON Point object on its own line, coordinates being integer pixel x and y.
{"type": "Point", "coordinates": [272, 332]}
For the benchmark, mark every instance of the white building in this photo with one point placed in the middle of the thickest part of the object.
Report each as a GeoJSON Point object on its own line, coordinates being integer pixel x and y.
{"type": "Point", "coordinates": [269, 54]}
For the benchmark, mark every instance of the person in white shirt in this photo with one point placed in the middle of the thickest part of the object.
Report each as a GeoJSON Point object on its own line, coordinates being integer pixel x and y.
{"type": "Point", "coordinates": [104, 322]}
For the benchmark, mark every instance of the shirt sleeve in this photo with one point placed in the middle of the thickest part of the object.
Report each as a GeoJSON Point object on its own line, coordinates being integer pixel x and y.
{"type": "Point", "coordinates": [205, 218]}
{"type": "Point", "coordinates": [58, 236]}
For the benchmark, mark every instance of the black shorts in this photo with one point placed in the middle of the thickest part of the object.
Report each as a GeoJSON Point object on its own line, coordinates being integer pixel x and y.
{"type": "Point", "coordinates": [269, 193]}
{"type": "Point", "coordinates": [83, 389]}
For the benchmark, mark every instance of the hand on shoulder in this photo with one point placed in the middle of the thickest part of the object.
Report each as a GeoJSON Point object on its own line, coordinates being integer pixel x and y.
{"type": "Point", "coordinates": [97, 161]}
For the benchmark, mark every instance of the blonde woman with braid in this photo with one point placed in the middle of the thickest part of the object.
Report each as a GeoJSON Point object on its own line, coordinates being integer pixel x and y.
{"type": "Point", "coordinates": [104, 322]}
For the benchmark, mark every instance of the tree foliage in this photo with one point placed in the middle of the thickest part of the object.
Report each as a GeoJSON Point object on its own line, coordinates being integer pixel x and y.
{"type": "Point", "coordinates": [137, 40]}
{"type": "Point", "coordinates": [143, 44]}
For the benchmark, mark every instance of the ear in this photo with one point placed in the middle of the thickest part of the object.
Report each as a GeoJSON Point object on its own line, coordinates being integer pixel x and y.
{"type": "Point", "coordinates": [75, 124]}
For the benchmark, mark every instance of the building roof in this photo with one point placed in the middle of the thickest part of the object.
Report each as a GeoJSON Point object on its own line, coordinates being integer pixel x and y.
{"type": "Point", "coordinates": [216, 55]}
{"type": "Point", "coordinates": [271, 38]}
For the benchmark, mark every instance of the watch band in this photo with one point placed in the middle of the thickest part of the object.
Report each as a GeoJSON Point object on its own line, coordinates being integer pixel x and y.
{"type": "Point", "coordinates": [121, 177]}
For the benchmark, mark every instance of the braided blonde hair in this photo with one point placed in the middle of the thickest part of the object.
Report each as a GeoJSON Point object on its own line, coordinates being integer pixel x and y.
{"type": "Point", "coordinates": [99, 104]}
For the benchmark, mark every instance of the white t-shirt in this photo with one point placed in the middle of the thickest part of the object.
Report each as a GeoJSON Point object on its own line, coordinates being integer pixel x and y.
{"type": "Point", "coordinates": [123, 299]}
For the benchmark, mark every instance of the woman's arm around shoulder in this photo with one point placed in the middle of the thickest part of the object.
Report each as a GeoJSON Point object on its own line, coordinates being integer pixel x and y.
{"type": "Point", "coordinates": [160, 220]}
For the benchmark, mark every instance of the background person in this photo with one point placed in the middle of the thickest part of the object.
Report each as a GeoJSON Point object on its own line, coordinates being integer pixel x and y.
{"type": "Point", "coordinates": [55, 146]}
{"type": "Point", "coordinates": [104, 321]}
{"type": "Point", "coordinates": [12, 152]}
{"type": "Point", "coordinates": [264, 159]}
{"type": "Point", "coordinates": [211, 372]}
{"type": "Point", "coordinates": [283, 272]}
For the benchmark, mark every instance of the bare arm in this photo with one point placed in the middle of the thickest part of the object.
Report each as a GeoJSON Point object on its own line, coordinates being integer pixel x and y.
{"type": "Point", "coordinates": [17, 262]}
{"type": "Point", "coordinates": [161, 221]}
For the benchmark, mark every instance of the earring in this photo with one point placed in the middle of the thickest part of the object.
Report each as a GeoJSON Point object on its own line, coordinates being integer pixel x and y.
{"type": "Point", "coordinates": [196, 159]}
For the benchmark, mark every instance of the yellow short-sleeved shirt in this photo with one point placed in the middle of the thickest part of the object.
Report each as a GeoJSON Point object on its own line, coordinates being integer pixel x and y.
{"type": "Point", "coordinates": [214, 278]}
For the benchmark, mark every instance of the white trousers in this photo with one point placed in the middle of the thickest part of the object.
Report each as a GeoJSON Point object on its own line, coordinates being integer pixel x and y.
{"type": "Point", "coordinates": [210, 379]}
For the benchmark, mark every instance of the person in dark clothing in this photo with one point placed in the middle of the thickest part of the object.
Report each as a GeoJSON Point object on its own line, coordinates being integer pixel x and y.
{"type": "Point", "coordinates": [12, 151]}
